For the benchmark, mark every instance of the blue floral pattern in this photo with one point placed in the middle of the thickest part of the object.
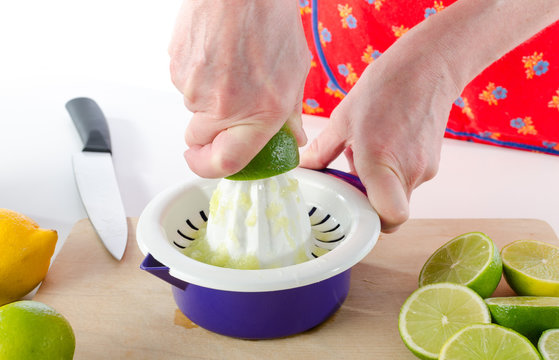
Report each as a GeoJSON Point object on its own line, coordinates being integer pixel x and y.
{"type": "Point", "coordinates": [500, 93]}
{"type": "Point", "coordinates": [429, 12]}
{"type": "Point", "coordinates": [343, 70]}
{"type": "Point", "coordinates": [351, 21]}
{"type": "Point", "coordinates": [541, 67]}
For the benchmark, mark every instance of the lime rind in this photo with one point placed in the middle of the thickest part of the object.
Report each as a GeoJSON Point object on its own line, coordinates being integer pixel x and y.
{"type": "Point", "coordinates": [548, 344]}
{"type": "Point", "coordinates": [488, 341]}
{"type": "Point", "coordinates": [434, 312]}
{"type": "Point", "coordinates": [528, 315]}
{"type": "Point", "coordinates": [470, 259]}
{"type": "Point", "coordinates": [278, 156]}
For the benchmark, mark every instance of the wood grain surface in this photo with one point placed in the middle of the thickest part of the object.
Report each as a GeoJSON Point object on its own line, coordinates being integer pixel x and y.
{"type": "Point", "coordinates": [121, 312]}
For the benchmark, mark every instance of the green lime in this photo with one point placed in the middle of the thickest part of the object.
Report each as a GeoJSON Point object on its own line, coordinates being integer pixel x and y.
{"type": "Point", "coordinates": [433, 313]}
{"type": "Point", "coordinates": [548, 345]}
{"type": "Point", "coordinates": [33, 330]}
{"type": "Point", "coordinates": [278, 156]}
{"type": "Point", "coordinates": [488, 342]}
{"type": "Point", "coordinates": [529, 315]}
{"type": "Point", "coordinates": [531, 267]}
{"type": "Point", "coordinates": [470, 259]}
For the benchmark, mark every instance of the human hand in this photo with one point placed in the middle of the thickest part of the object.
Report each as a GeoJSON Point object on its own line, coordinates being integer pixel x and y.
{"type": "Point", "coordinates": [241, 66]}
{"type": "Point", "coordinates": [391, 126]}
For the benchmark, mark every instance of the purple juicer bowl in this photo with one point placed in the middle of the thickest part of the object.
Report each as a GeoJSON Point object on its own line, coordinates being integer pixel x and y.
{"type": "Point", "coordinates": [266, 303]}
{"type": "Point", "coordinates": [256, 315]}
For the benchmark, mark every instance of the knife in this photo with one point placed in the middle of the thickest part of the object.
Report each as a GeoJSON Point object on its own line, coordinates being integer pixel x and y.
{"type": "Point", "coordinates": [95, 175]}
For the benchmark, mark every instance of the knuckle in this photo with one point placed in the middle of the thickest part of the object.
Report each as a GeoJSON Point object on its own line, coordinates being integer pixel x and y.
{"type": "Point", "coordinates": [227, 164]}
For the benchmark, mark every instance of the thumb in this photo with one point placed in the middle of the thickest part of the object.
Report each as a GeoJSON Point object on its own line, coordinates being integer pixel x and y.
{"type": "Point", "coordinates": [324, 149]}
{"type": "Point", "coordinates": [386, 194]}
{"type": "Point", "coordinates": [229, 152]}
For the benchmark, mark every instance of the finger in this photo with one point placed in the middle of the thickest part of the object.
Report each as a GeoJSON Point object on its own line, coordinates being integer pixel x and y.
{"type": "Point", "coordinates": [202, 129]}
{"type": "Point", "coordinates": [230, 151]}
{"type": "Point", "coordinates": [295, 123]}
{"type": "Point", "coordinates": [324, 149]}
{"type": "Point", "coordinates": [348, 152]}
{"type": "Point", "coordinates": [387, 195]}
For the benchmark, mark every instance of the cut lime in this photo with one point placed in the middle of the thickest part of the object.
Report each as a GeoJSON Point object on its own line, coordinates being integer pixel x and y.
{"type": "Point", "coordinates": [548, 345]}
{"type": "Point", "coordinates": [532, 267]}
{"type": "Point", "coordinates": [488, 342]}
{"type": "Point", "coordinates": [433, 313]}
{"type": "Point", "coordinates": [529, 315]}
{"type": "Point", "coordinates": [470, 259]}
{"type": "Point", "coordinates": [278, 156]}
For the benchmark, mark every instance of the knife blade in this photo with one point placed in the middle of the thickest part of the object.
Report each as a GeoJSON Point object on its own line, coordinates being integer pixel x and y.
{"type": "Point", "coordinates": [95, 175]}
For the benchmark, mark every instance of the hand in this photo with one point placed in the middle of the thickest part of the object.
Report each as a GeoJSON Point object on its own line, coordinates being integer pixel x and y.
{"type": "Point", "coordinates": [391, 126]}
{"type": "Point", "coordinates": [241, 66]}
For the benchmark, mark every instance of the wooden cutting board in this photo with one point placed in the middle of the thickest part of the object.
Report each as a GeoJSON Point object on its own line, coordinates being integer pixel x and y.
{"type": "Point", "coordinates": [121, 312]}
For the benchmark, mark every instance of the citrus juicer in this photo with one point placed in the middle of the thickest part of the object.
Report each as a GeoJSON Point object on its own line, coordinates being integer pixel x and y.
{"type": "Point", "coordinates": [262, 303]}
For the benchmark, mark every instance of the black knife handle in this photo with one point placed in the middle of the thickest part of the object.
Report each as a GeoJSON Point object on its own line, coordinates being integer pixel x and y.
{"type": "Point", "coordinates": [91, 124]}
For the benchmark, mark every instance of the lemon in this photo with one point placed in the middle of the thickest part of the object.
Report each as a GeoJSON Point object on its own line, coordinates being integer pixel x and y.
{"type": "Point", "coordinates": [488, 342]}
{"type": "Point", "coordinates": [529, 315]}
{"type": "Point", "coordinates": [278, 156]}
{"type": "Point", "coordinates": [433, 313]}
{"type": "Point", "coordinates": [33, 330]}
{"type": "Point", "coordinates": [470, 259]}
{"type": "Point", "coordinates": [548, 345]}
{"type": "Point", "coordinates": [531, 267]}
{"type": "Point", "coordinates": [25, 252]}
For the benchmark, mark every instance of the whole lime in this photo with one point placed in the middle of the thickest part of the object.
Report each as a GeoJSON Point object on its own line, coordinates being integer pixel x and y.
{"type": "Point", "coordinates": [33, 330]}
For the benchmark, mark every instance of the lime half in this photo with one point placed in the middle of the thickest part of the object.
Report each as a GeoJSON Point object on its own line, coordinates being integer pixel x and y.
{"type": "Point", "coordinates": [433, 313]}
{"type": "Point", "coordinates": [531, 267]}
{"type": "Point", "coordinates": [548, 345]}
{"type": "Point", "coordinates": [488, 342]}
{"type": "Point", "coordinates": [470, 259]}
{"type": "Point", "coordinates": [529, 315]}
{"type": "Point", "coordinates": [278, 156]}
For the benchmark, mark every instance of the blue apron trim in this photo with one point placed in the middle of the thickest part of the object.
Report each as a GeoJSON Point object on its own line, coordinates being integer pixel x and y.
{"type": "Point", "coordinates": [319, 50]}
{"type": "Point", "coordinates": [510, 144]}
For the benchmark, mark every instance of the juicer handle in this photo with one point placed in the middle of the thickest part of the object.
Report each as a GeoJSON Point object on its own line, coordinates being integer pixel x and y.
{"type": "Point", "coordinates": [347, 177]}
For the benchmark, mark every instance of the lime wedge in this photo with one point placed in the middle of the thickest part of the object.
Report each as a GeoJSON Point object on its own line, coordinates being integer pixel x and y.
{"type": "Point", "coordinates": [278, 156]}
{"type": "Point", "coordinates": [548, 345]}
{"type": "Point", "coordinates": [470, 259]}
{"type": "Point", "coordinates": [529, 315]}
{"type": "Point", "coordinates": [488, 342]}
{"type": "Point", "coordinates": [532, 267]}
{"type": "Point", "coordinates": [433, 313]}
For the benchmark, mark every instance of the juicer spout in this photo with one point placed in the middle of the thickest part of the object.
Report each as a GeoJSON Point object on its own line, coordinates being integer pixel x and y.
{"type": "Point", "coordinates": [154, 267]}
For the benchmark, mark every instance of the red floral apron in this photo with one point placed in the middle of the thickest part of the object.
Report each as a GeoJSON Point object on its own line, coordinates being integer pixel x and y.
{"type": "Point", "coordinates": [513, 103]}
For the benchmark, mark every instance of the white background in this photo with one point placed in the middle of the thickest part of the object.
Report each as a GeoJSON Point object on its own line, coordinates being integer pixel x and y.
{"type": "Point", "coordinates": [116, 53]}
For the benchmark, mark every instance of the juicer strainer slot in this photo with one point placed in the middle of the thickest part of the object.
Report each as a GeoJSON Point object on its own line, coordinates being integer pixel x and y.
{"type": "Point", "coordinates": [190, 230]}
{"type": "Point", "coordinates": [326, 230]}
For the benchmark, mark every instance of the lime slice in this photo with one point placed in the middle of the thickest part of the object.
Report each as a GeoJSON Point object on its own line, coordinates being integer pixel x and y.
{"type": "Point", "coordinates": [278, 156]}
{"type": "Point", "coordinates": [532, 267]}
{"type": "Point", "coordinates": [433, 313]}
{"type": "Point", "coordinates": [548, 345]}
{"type": "Point", "coordinates": [529, 315]}
{"type": "Point", "coordinates": [488, 342]}
{"type": "Point", "coordinates": [470, 259]}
